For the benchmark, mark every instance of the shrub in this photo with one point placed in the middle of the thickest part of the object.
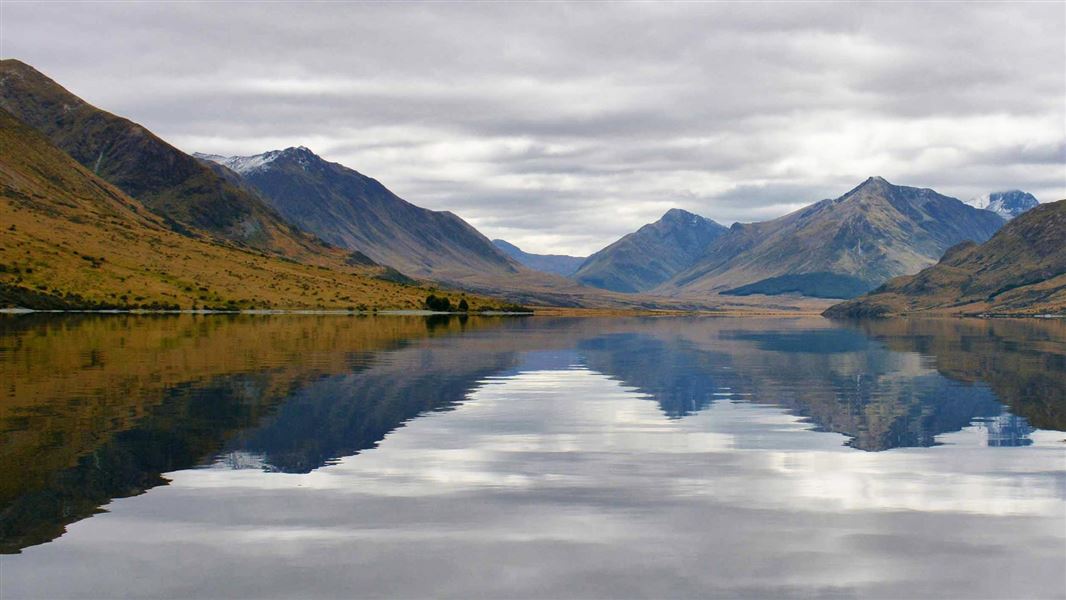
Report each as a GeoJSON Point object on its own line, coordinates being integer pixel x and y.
{"type": "Point", "coordinates": [438, 304]}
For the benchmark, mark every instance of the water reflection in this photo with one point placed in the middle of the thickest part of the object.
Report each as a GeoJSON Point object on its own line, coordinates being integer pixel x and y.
{"type": "Point", "coordinates": [97, 408]}
{"type": "Point", "coordinates": [586, 413]}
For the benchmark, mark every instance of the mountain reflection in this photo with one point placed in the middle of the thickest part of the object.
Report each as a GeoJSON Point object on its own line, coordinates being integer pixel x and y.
{"type": "Point", "coordinates": [838, 379]}
{"type": "Point", "coordinates": [97, 408]}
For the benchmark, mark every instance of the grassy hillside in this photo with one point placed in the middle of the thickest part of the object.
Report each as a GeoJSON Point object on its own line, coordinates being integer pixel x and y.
{"type": "Point", "coordinates": [70, 239]}
{"type": "Point", "coordinates": [190, 197]}
{"type": "Point", "coordinates": [1021, 270]}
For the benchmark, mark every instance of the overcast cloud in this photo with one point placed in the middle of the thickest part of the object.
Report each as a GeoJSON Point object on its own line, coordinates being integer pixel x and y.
{"type": "Point", "coordinates": [561, 127]}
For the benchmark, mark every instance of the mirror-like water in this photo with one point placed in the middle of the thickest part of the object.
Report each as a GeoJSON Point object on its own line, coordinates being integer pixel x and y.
{"type": "Point", "coordinates": [325, 456]}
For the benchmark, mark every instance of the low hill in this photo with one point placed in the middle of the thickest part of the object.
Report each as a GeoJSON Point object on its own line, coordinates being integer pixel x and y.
{"type": "Point", "coordinates": [642, 260]}
{"type": "Point", "coordinates": [174, 185]}
{"type": "Point", "coordinates": [557, 264]}
{"type": "Point", "coordinates": [72, 240]}
{"type": "Point", "coordinates": [1021, 270]}
{"type": "Point", "coordinates": [844, 246]}
{"type": "Point", "coordinates": [349, 209]}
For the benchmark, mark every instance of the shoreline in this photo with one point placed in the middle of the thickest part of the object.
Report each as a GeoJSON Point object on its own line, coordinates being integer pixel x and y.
{"type": "Point", "coordinates": [536, 312]}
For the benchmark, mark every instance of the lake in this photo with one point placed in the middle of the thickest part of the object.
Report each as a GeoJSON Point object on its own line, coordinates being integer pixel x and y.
{"type": "Point", "coordinates": [299, 456]}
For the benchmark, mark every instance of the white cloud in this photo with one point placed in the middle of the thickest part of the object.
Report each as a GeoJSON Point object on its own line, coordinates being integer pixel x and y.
{"type": "Point", "coordinates": [563, 126]}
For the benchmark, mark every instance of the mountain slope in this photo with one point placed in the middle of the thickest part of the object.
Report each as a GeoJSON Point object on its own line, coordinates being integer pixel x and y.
{"type": "Point", "coordinates": [171, 183]}
{"type": "Point", "coordinates": [1021, 270]}
{"type": "Point", "coordinates": [349, 209]}
{"type": "Point", "coordinates": [848, 245]}
{"type": "Point", "coordinates": [641, 260]}
{"type": "Point", "coordinates": [1007, 204]}
{"type": "Point", "coordinates": [557, 264]}
{"type": "Point", "coordinates": [72, 240]}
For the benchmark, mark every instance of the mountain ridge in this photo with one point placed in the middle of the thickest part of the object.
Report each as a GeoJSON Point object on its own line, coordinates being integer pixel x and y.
{"type": "Point", "coordinates": [349, 209]}
{"type": "Point", "coordinates": [873, 232]}
{"type": "Point", "coordinates": [1020, 270]}
{"type": "Point", "coordinates": [641, 260]}
{"type": "Point", "coordinates": [556, 264]}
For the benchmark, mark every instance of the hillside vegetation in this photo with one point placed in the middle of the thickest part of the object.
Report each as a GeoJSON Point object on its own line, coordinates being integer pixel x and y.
{"type": "Point", "coordinates": [190, 198]}
{"type": "Point", "coordinates": [72, 240]}
{"type": "Point", "coordinates": [1021, 270]}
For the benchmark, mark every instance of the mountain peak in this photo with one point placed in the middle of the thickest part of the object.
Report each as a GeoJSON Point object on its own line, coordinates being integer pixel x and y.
{"type": "Point", "coordinates": [297, 151]}
{"type": "Point", "coordinates": [641, 260]}
{"type": "Point", "coordinates": [679, 216]}
{"type": "Point", "coordinates": [875, 182]}
{"type": "Point", "coordinates": [258, 162]}
{"type": "Point", "coordinates": [875, 185]}
{"type": "Point", "coordinates": [1007, 204]}
{"type": "Point", "coordinates": [678, 212]}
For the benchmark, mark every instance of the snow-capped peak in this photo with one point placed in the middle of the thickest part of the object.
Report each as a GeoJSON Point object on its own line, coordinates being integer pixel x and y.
{"type": "Point", "coordinates": [250, 164]}
{"type": "Point", "coordinates": [1008, 204]}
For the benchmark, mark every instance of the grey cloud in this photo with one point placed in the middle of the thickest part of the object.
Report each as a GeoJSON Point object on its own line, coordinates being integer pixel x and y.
{"type": "Point", "coordinates": [564, 126]}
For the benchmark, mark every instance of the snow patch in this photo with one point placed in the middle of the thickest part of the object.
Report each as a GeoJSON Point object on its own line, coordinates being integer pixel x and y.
{"type": "Point", "coordinates": [1007, 204]}
{"type": "Point", "coordinates": [251, 164]}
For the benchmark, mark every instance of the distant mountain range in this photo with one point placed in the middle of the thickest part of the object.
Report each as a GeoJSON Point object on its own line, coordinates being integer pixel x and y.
{"type": "Point", "coordinates": [349, 209]}
{"type": "Point", "coordinates": [1022, 269]}
{"type": "Point", "coordinates": [837, 248]}
{"type": "Point", "coordinates": [288, 228]}
{"type": "Point", "coordinates": [1007, 204]}
{"type": "Point", "coordinates": [646, 258]}
{"type": "Point", "coordinates": [557, 264]}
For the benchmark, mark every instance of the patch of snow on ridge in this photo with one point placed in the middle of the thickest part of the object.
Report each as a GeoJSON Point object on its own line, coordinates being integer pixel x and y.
{"type": "Point", "coordinates": [248, 164]}
{"type": "Point", "coordinates": [981, 202]}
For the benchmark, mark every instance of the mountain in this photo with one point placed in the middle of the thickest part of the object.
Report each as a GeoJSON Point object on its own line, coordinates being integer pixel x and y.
{"type": "Point", "coordinates": [837, 248]}
{"type": "Point", "coordinates": [641, 260]}
{"type": "Point", "coordinates": [72, 240]}
{"type": "Point", "coordinates": [1021, 270]}
{"type": "Point", "coordinates": [349, 209]}
{"type": "Point", "coordinates": [557, 264]}
{"type": "Point", "coordinates": [1007, 204]}
{"type": "Point", "coordinates": [174, 185]}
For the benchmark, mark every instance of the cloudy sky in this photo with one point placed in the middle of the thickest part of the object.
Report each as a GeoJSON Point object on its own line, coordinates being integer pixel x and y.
{"type": "Point", "coordinates": [563, 126]}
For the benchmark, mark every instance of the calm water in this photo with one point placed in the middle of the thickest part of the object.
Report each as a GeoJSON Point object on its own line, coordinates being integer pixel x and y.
{"type": "Point", "coordinates": [326, 456]}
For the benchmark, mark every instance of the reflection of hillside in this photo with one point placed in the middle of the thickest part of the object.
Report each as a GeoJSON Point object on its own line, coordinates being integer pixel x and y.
{"type": "Point", "coordinates": [344, 414]}
{"type": "Point", "coordinates": [95, 408]}
{"type": "Point", "coordinates": [682, 380]}
{"type": "Point", "coordinates": [1022, 360]}
{"type": "Point", "coordinates": [838, 379]}
{"type": "Point", "coordinates": [881, 399]}
{"type": "Point", "coordinates": [186, 425]}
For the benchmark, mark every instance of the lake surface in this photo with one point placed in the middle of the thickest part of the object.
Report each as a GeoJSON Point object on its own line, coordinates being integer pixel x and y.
{"type": "Point", "coordinates": [397, 457]}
